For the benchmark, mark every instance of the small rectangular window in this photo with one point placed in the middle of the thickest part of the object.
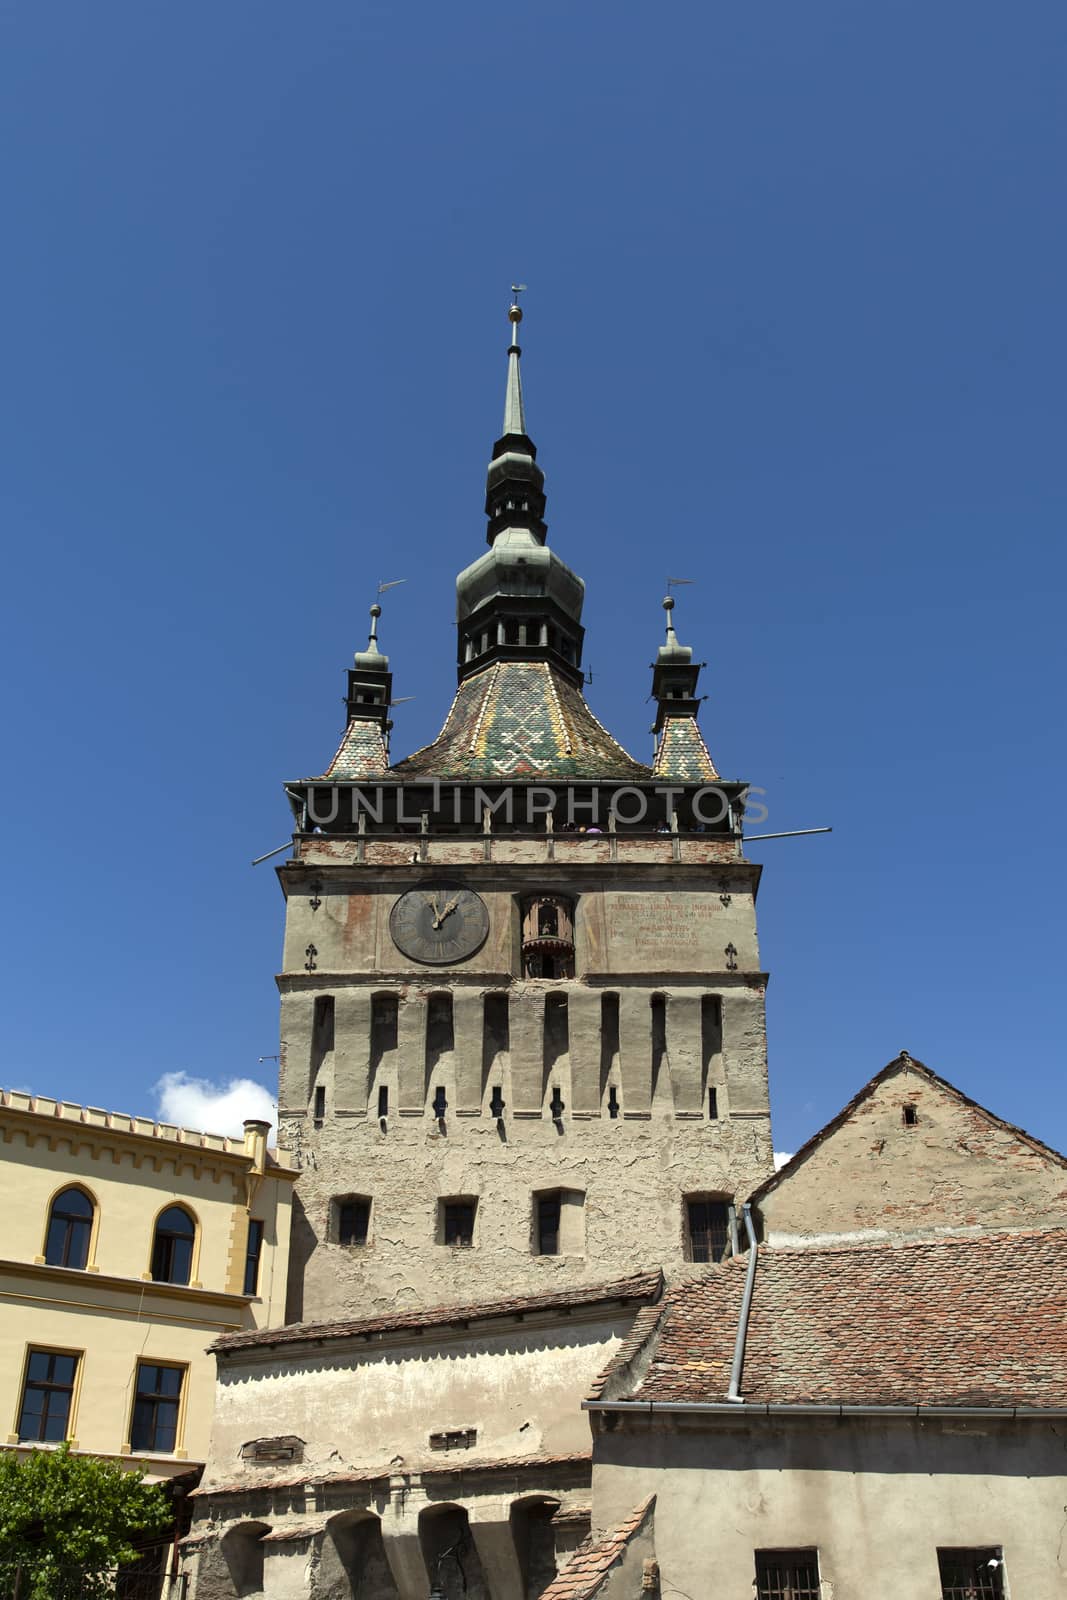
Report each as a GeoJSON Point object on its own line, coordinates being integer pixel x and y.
{"type": "Point", "coordinates": [911, 1116]}
{"type": "Point", "coordinates": [708, 1229]}
{"type": "Point", "coordinates": [713, 1105]}
{"type": "Point", "coordinates": [156, 1407]}
{"type": "Point", "coordinates": [787, 1575]}
{"type": "Point", "coordinates": [252, 1254]}
{"type": "Point", "coordinates": [320, 1103]}
{"type": "Point", "coordinates": [976, 1574]}
{"type": "Point", "coordinates": [353, 1221]}
{"type": "Point", "coordinates": [383, 1100]}
{"type": "Point", "coordinates": [454, 1439]}
{"type": "Point", "coordinates": [548, 1212]}
{"type": "Point", "coordinates": [47, 1396]}
{"type": "Point", "coordinates": [458, 1223]}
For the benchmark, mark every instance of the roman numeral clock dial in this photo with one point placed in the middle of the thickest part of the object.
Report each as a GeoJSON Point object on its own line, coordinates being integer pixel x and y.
{"type": "Point", "coordinates": [439, 924]}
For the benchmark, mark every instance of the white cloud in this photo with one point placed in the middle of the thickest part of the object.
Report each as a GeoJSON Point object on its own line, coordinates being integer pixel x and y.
{"type": "Point", "coordinates": [212, 1107]}
{"type": "Point", "coordinates": [780, 1159]}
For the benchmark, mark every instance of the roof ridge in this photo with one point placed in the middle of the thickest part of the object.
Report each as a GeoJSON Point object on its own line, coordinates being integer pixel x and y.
{"type": "Point", "coordinates": [610, 736]}
{"type": "Point", "coordinates": [568, 731]}
{"type": "Point", "coordinates": [452, 706]}
{"type": "Point", "coordinates": [950, 1241]}
{"type": "Point", "coordinates": [490, 686]}
{"type": "Point", "coordinates": [637, 1286]}
{"type": "Point", "coordinates": [715, 1271]}
{"type": "Point", "coordinates": [594, 1558]}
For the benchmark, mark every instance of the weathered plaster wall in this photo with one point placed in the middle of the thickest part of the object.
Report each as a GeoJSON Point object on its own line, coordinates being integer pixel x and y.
{"type": "Point", "coordinates": [633, 1176]}
{"type": "Point", "coordinates": [664, 1016]}
{"type": "Point", "coordinates": [876, 1499]}
{"type": "Point", "coordinates": [630, 918]}
{"type": "Point", "coordinates": [955, 1168]}
{"type": "Point", "coordinates": [373, 1407]}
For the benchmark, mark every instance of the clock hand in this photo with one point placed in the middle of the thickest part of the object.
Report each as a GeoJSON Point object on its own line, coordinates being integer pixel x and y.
{"type": "Point", "coordinates": [431, 901]}
{"type": "Point", "coordinates": [451, 906]}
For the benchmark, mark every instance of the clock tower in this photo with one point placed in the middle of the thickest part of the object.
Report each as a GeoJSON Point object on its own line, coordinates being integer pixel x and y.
{"type": "Point", "coordinates": [523, 1043]}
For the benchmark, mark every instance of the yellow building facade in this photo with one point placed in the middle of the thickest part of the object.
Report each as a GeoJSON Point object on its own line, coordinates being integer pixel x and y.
{"type": "Point", "coordinates": [128, 1247]}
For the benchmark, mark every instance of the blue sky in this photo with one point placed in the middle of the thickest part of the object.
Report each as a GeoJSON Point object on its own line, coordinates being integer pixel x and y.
{"type": "Point", "coordinates": [795, 330]}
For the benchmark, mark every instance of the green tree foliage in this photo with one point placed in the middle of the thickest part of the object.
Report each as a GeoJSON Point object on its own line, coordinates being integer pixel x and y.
{"type": "Point", "coordinates": [61, 1513]}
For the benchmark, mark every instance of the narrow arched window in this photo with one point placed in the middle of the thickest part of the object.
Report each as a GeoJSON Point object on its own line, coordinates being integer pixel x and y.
{"type": "Point", "coordinates": [70, 1225]}
{"type": "Point", "coordinates": [172, 1248]}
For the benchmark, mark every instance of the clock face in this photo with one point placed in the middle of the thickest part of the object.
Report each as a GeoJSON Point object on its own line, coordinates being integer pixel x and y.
{"type": "Point", "coordinates": [439, 924]}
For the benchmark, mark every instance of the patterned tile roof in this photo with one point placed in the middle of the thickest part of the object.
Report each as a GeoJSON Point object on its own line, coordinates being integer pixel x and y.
{"type": "Point", "coordinates": [976, 1321]}
{"type": "Point", "coordinates": [521, 719]}
{"type": "Point", "coordinates": [640, 1286]}
{"type": "Point", "coordinates": [594, 1558]}
{"type": "Point", "coordinates": [683, 754]}
{"type": "Point", "coordinates": [361, 753]}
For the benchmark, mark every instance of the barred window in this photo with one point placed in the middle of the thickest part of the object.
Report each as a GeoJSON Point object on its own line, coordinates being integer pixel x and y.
{"type": "Point", "coordinates": [353, 1220]}
{"type": "Point", "coordinates": [972, 1574]}
{"type": "Point", "coordinates": [548, 1213]}
{"type": "Point", "coordinates": [787, 1575]}
{"type": "Point", "coordinates": [457, 1223]}
{"type": "Point", "coordinates": [707, 1228]}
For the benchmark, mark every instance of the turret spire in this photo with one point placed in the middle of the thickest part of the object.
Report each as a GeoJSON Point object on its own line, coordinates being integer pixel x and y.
{"type": "Point", "coordinates": [372, 642]}
{"type": "Point", "coordinates": [514, 411]}
{"type": "Point", "coordinates": [671, 642]}
{"type": "Point", "coordinates": [680, 748]}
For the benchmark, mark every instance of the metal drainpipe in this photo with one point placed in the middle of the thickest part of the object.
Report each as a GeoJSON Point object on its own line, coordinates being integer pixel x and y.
{"type": "Point", "coordinates": [733, 1393]}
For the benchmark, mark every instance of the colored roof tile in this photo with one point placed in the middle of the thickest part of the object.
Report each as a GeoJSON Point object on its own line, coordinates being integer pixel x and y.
{"type": "Point", "coordinates": [361, 753]}
{"type": "Point", "coordinates": [683, 754]}
{"type": "Point", "coordinates": [976, 1321]}
{"type": "Point", "coordinates": [641, 1286]}
{"type": "Point", "coordinates": [521, 720]}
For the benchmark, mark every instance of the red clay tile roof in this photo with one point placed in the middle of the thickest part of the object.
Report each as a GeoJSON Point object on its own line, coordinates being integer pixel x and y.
{"type": "Point", "coordinates": [948, 1322]}
{"type": "Point", "coordinates": [255, 1483]}
{"type": "Point", "coordinates": [641, 1286]}
{"type": "Point", "coordinates": [594, 1558]}
{"type": "Point", "coordinates": [900, 1063]}
{"type": "Point", "coordinates": [643, 1327]}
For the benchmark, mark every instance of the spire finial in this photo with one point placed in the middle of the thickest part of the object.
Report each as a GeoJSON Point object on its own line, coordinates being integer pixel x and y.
{"type": "Point", "coordinates": [672, 637]}
{"type": "Point", "coordinates": [514, 412]}
{"type": "Point", "coordinates": [372, 642]}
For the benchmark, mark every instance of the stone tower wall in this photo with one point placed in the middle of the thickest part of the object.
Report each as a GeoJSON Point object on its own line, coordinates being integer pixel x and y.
{"type": "Point", "coordinates": [635, 1083]}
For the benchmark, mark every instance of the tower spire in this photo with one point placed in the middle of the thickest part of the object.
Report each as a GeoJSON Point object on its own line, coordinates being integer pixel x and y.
{"type": "Point", "coordinates": [671, 642]}
{"type": "Point", "coordinates": [680, 748]}
{"type": "Point", "coordinates": [514, 410]}
{"type": "Point", "coordinates": [518, 602]}
{"type": "Point", "coordinates": [372, 642]}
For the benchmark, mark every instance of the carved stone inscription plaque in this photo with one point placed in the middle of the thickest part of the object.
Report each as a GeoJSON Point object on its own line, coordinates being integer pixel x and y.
{"type": "Point", "coordinates": [658, 932]}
